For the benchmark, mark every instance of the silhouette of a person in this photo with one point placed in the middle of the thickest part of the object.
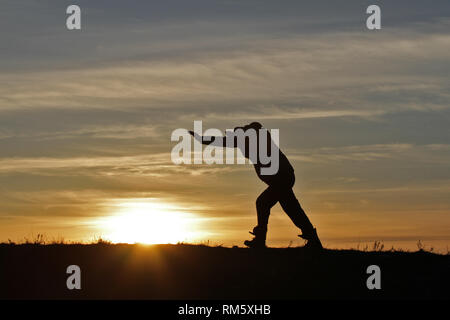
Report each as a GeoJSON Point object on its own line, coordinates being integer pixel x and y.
{"type": "Point", "coordinates": [279, 189]}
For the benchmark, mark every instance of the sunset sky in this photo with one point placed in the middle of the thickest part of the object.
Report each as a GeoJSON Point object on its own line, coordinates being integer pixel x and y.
{"type": "Point", "coordinates": [86, 118]}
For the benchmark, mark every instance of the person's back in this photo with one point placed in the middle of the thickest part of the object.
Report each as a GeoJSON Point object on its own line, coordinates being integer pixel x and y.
{"type": "Point", "coordinates": [284, 175]}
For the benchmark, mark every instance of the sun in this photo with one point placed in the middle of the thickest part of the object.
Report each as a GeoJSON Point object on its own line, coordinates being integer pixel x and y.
{"type": "Point", "coordinates": [149, 222]}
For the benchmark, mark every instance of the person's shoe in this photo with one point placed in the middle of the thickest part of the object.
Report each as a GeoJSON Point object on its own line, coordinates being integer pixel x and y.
{"type": "Point", "coordinates": [259, 241]}
{"type": "Point", "coordinates": [255, 243]}
{"type": "Point", "coordinates": [313, 241]}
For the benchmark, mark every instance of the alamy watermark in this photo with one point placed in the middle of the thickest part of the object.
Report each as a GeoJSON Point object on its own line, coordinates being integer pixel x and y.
{"type": "Point", "coordinates": [73, 21]}
{"type": "Point", "coordinates": [74, 280]}
{"type": "Point", "coordinates": [259, 145]}
{"type": "Point", "coordinates": [374, 280]}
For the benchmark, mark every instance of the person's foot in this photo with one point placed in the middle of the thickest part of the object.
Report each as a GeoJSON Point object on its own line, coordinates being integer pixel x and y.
{"type": "Point", "coordinates": [255, 243]}
{"type": "Point", "coordinates": [259, 241]}
{"type": "Point", "coordinates": [313, 241]}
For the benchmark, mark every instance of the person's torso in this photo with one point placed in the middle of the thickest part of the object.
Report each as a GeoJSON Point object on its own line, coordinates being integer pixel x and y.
{"type": "Point", "coordinates": [284, 175]}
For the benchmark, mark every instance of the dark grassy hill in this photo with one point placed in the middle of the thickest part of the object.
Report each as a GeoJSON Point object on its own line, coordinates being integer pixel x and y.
{"type": "Point", "coordinates": [201, 272]}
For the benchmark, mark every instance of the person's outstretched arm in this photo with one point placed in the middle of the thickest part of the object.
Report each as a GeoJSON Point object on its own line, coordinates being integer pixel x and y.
{"type": "Point", "coordinates": [210, 140]}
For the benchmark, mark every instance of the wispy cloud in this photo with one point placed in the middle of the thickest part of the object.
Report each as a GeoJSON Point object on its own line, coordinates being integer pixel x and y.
{"type": "Point", "coordinates": [422, 154]}
{"type": "Point", "coordinates": [332, 72]}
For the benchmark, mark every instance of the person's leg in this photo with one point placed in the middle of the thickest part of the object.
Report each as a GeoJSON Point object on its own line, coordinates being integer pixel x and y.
{"type": "Point", "coordinates": [264, 203]}
{"type": "Point", "coordinates": [292, 207]}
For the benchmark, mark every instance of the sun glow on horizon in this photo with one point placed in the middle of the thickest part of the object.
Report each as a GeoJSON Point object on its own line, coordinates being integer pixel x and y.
{"type": "Point", "coordinates": [149, 222]}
